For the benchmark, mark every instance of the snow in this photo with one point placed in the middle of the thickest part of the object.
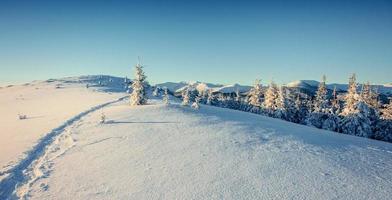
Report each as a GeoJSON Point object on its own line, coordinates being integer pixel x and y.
{"type": "Point", "coordinates": [45, 107]}
{"type": "Point", "coordinates": [159, 151]}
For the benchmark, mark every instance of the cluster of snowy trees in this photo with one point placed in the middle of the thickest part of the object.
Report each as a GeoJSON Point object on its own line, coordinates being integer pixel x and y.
{"type": "Point", "coordinates": [356, 113]}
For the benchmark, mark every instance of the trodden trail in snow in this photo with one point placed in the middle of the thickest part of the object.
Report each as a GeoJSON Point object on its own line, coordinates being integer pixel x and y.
{"type": "Point", "coordinates": [36, 164]}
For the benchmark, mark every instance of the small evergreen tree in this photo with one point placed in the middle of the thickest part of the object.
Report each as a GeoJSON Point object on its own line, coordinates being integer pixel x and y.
{"type": "Point", "coordinates": [185, 97]}
{"type": "Point", "coordinates": [138, 95]}
{"type": "Point", "coordinates": [166, 97]}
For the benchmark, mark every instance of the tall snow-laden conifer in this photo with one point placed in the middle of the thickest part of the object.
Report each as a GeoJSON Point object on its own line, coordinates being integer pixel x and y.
{"type": "Point", "coordinates": [270, 97]}
{"type": "Point", "coordinates": [351, 98]}
{"type": "Point", "coordinates": [335, 105]}
{"type": "Point", "coordinates": [321, 101]}
{"type": "Point", "coordinates": [255, 94]}
{"type": "Point", "coordinates": [138, 95]}
{"type": "Point", "coordinates": [185, 97]}
{"type": "Point", "coordinates": [369, 96]}
{"type": "Point", "coordinates": [281, 104]}
{"type": "Point", "coordinates": [387, 111]}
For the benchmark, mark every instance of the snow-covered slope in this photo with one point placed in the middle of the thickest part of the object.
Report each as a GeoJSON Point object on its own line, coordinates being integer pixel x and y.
{"type": "Point", "coordinates": [174, 152]}
{"type": "Point", "coordinates": [47, 104]}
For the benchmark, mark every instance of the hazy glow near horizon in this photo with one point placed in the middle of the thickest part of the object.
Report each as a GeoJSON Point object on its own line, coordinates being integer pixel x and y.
{"type": "Point", "coordinates": [219, 42]}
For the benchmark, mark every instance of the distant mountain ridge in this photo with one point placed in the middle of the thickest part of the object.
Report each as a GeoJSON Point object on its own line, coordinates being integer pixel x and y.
{"type": "Point", "coordinates": [117, 84]}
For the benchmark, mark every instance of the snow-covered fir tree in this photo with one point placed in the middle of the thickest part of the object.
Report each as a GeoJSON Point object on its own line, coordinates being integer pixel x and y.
{"type": "Point", "coordinates": [386, 113]}
{"type": "Point", "coordinates": [357, 122]}
{"type": "Point", "coordinates": [185, 97]}
{"type": "Point", "coordinates": [138, 95]}
{"type": "Point", "coordinates": [322, 116]}
{"type": "Point", "coordinates": [321, 101]}
{"type": "Point", "coordinates": [210, 97]}
{"type": "Point", "coordinates": [351, 98]}
{"type": "Point", "coordinates": [281, 104]}
{"type": "Point", "coordinates": [255, 94]}
{"type": "Point", "coordinates": [369, 96]}
{"type": "Point", "coordinates": [335, 105]}
{"type": "Point", "coordinates": [166, 97]}
{"type": "Point", "coordinates": [301, 110]}
{"type": "Point", "coordinates": [358, 116]}
{"type": "Point", "coordinates": [270, 98]}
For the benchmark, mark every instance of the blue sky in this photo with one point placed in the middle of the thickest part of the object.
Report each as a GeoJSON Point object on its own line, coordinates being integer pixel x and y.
{"type": "Point", "coordinates": [212, 41]}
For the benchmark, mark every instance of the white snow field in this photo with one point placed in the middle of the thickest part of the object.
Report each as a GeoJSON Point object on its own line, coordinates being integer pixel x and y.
{"type": "Point", "coordinates": [47, 105]}
{"type": "Point", "coordinates": [175, 152]}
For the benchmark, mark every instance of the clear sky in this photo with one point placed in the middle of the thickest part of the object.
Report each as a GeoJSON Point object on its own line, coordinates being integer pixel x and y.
{"type": "Point", "coordinates": [214, 41]}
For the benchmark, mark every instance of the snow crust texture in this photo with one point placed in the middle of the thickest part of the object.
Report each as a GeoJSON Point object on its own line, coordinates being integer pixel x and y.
{"type": "Point", "coordinates": [173, 152]}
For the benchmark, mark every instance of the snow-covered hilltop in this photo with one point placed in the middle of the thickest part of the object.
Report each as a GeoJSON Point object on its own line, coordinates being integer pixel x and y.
{"type": "Point", "coordinates": [172, 152]}
{"type": "Point", "coordinates": [62, 150]}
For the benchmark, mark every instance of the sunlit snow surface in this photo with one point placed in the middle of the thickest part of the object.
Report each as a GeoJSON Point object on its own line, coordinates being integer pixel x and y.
{"type": "Point", "coordinates": [174, 152]}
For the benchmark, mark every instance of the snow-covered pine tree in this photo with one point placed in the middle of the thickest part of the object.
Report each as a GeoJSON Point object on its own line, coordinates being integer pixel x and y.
{"type": "Point", "coordinates": [185, 97]}
{"type": "Point", "coordinates": [321, 101]}
{"type": "Point", "coordinates": [357, 122]}
{"type": "Point", "coordinates": [335, 105]}
{"type": "Point", "coordinates": [281, 104]}
{"type": "Point", "coordinates": [322, 116]}
{"type": "Point", "coordinates": [386, 113]}
{"type": "Point", "coordinates": [369, 96]}
{"type": "Point", "coordinates": [254, 99]}
{"type": "Point", "coordinates": [210, 97]}
{"type": "Point", "coordinates": [351, 98]}
{"type": "Point", "coordinates": [301, 108]}
{"type": "Point", "coordinates": [138, 95]}
{"type": "Point", "coordinates": [383, 128]}
{"type": "Point", "coordinates": [270, 97]}
{"type": "Point", "coordinates": [255, 94]}
{"type": "Point", "coordinates": [291, 110]}
{"type": "Point", "coordinates": [358, 116]}
{"type": "Point", "coordinates": [166, 97]}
